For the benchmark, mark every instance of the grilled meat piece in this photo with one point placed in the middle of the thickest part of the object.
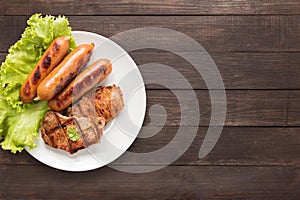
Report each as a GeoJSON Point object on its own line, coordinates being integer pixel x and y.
{"type": "Point", "coordinates": [53, 133]}
{"type": "Point", "coordinates": [108, 102]}
{"type": "Point", "coordinates": [88, 117]}
{"type": "Point", "coordinates": [67, 123]}
{"type": "Point", "coordinates": [91, 129]}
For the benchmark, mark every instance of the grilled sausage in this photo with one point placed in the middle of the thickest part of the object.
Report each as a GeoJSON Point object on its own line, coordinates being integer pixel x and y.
{"type": "Point", "coordinates": [49, 60]}
{"type": "Point", "coordinates": [64, 72]}
{"type": "Point", "coordinates": [84, 82]}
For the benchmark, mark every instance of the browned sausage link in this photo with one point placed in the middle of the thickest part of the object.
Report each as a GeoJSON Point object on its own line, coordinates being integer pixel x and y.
{"type": "Point", "coordinates": [49, 60]}
{"type": "Point", "coordinates": [84, 82]}
{"type": "Point", "coordinates": [64, 72]}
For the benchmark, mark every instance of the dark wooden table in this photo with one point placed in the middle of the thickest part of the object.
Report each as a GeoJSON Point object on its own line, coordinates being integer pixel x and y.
{"type": "Point", "coordinates": [256, 46]}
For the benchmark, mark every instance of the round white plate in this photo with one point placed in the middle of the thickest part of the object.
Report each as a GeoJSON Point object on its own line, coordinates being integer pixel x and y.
{"type": "Point", "coordinates": [120, 133]}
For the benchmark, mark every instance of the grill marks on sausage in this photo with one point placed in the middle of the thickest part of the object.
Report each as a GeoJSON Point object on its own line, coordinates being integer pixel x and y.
{"type": "Point", "coordinates": [56, 47]}
{"type": "Point", "coordinates": [45, 65]}
{"type": "Point", "coordinates": [27, 89]}
{"type": "Point", "coordinates": [81, 63]}
{"type": "Point", "coordinates": [80, 85]}
{"type": "Point", "coordinates": [71, 75]}
{"type": "Point", "coordinates": [58, 88]}
{"type": "Point", "coordinates": [68, 79]}
{"type": "Point", "coordinates": [100, 71]}
{"type": "Point", "coordinates": [103, 69]}
{"type": "Point", "coordinates": [89, 52]}
{"type": "Point", "coordinates": [47, 61]}
{"type": "Point", "coordinates": [88, 80]}
{"type": "Point", "coordinates": [36, 76]}
{"type": "Point", "coordinates": [69, 92]}
{"type": "Point", "coordinates": [65, 96]}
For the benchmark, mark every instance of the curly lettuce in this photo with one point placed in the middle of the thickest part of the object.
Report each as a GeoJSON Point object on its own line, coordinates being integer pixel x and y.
{"type": "Point", "coordinates": [21, 128]}
{"type": "Point", "coordinates": [19, 123]}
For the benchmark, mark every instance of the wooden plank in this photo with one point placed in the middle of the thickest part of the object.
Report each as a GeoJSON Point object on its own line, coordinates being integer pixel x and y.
{"type": "Point", "coordinates": [180, 182]}
{"type": "Point", "coordinates": [244, 107]}
{"type": "Point", "coordinates": [156, 7]}
{"type": "Point", "coordinates": [238, 70]}
{"type": "Point", "coordinates": [214, 33]}
{"type": "Point", "coordinates": [238, 146]}
{"type": "Point", "coordinates": [294, 108]}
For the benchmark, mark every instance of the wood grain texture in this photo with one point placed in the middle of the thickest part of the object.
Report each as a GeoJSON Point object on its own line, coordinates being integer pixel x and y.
{"type": "Point", "coordinates": [244, 107]}
{"type": "Point", "coordinates": [256, 46]}
{"type": "Point", "coordinates": [156, 7]}
{"type": "Point", "coordinates": [238, 70]}
{"type": "Point", "coordinates": [214, 33]}
{"type": "Point", "coordinates": [237, 146]}
{"type": "Point", "coordinates": [180, 182]}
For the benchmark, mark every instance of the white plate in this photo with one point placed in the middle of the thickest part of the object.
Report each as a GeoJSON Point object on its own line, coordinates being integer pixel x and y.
{"type": "Point", "coordinates": [120, 133]}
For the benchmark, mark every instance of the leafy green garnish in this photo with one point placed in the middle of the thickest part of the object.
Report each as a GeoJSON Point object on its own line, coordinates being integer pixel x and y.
{"type": "Point", "coordinates": [21, 128]}
{"type": "Point", "coordinates": [73, 134]}
{"type": "Point", "coordinates": [19, 122]}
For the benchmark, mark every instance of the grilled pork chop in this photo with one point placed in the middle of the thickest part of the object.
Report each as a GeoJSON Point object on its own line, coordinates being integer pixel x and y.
{"type": "Point", "coordinates": [87, 117]}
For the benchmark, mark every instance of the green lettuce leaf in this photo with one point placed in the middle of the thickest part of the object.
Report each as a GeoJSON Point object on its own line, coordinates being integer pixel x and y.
{"type": "Point", "coordinates": [73, 134]}
{"type": "Point", "coordinates": [22, 128]}
{"type": "Point", "coordinates": [19, 122]}
{"type": "Point", "coordinates": [4, 111]}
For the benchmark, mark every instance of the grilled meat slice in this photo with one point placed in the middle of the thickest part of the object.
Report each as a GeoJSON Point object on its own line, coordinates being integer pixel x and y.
{"type": "Point", "coordinates": [55, 129]}
{"type": "Point", "coordinates": [98, 107]}
{"type": "Point", "coordinates": [91, 129]}
{"type": "Point", "coordinates": [88, 117]}
{"type": "Point", "coordinates": [108, 102]}
{"type": "Point", "coordinates": [68, 123]}
{"type": "Point", "coordinates": [53, 133]}
{"type": "Point", "coordinates": [86, 107]}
